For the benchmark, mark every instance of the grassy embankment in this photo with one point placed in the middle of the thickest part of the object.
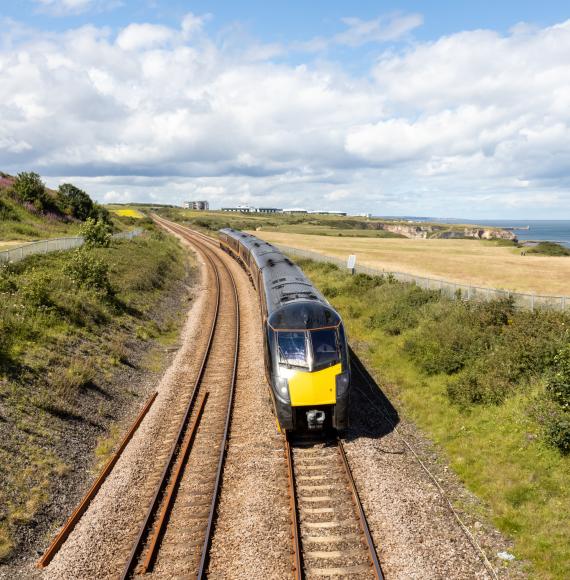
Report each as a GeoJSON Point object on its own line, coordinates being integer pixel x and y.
{"type": "Point", "coordinates": [480, 381]}
{"type": "Point", "coordinates": [490, 264]}
{"type": "Point", "coordinates": [68, 322]}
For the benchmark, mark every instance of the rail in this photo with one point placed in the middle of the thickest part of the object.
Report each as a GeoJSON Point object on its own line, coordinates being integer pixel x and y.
{"type": "Point", "coordinates": [452, 290]}
{"type": "Point", "coordinates": [55, 245]}
{"type": "Point", "coordinates": [152, 529]}
{"type": "Point", "coordinates": [359, 561]}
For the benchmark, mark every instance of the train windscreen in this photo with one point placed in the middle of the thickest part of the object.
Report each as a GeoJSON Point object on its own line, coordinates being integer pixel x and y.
{"type": "Point", "coordinates": [325, 348]}
{"type": "Point", "coordinates": [292, 348]}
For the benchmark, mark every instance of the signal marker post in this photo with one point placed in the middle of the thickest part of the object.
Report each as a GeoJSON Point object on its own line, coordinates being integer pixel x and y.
{"type": "Point", "coordinates": [351, 263]}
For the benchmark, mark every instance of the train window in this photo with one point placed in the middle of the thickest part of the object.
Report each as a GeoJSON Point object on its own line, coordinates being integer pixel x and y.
{"type": "Point", "coordinates": [292, 347]}
{"type": "Point", "coordinates": [325, 348]}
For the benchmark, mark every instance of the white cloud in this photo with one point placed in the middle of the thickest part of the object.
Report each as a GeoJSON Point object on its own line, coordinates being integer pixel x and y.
{"type": "Point", "coordinates": [144, 36]}
{"type": "Point", "coordinates": [471, 121]}
{"type": "Point", "coordinates": [70, 7]}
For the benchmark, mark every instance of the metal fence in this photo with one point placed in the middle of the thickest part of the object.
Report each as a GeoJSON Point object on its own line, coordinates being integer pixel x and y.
{"type": "Point", "coordinates": [54, 245]}
{"type": "Point", "coordinates": [450, 289]}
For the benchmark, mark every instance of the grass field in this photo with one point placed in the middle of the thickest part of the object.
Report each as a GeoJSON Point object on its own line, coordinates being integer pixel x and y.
{"type": "Point", "coordinates": [480, 263]}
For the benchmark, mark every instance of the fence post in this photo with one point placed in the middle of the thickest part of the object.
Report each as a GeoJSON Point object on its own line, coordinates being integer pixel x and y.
{"type": "Point", "coordinates": [532, 302]}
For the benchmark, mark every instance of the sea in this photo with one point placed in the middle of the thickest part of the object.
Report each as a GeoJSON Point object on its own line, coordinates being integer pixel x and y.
{"type": "Point", "coordinates": [538, 230]}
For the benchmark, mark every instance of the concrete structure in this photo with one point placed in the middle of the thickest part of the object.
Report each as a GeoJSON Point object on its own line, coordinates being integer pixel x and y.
{"type": "Point", "coordinates": [295, 210]}
{"type": "Point", "coordinates": [238, 209]}
{"type": "Point", "coordinates": [197, 205]}
{"type": "Point", "coordinates": [331, 212]}
{"type": "Point", "coordinates": [247, 209]}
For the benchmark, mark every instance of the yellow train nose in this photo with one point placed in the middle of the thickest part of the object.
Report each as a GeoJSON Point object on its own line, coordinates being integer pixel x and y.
{"type": "Point", "coordinates": [318, 388]}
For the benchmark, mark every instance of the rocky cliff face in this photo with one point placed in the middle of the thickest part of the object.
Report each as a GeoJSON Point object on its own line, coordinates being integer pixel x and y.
{"type": "Point", "coordinates": [415, 231]}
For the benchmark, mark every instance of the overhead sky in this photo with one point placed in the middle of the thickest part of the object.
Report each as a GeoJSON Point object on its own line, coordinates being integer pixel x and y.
{"type": "Point", "coordinates": [442, 108]}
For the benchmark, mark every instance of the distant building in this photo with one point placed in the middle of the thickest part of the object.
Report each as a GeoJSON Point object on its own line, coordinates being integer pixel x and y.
{"type": "Point", "coordinates": [329, 212]}
{"type": "Point", "coordinates": [295, 210]}
{"type": "Point", "coordinates": [197, 205]}
{"type": "Point", "coordinates": [267, 210]}
{"type": "Point", "coordinates": [238, 209]}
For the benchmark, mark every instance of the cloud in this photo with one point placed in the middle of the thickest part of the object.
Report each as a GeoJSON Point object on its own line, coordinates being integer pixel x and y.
{"type": "Point", "coordinates": [73, 7]}
{"type": "Point", "coordinates": [143, 36]}
{"type": "Point", "coordinates": [466, 124]}
{"type": "Point", "coordinates": [359, 32]}
{"type": "Point", "coordinates": [381, 29]}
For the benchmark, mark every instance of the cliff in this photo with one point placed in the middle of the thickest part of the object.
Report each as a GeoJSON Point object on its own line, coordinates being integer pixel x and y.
{"type": "Point", "coordinates": [447, 232]}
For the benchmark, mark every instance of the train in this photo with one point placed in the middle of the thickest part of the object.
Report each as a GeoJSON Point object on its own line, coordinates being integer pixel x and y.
{"type": "Point", "coordinates": [305, 346]}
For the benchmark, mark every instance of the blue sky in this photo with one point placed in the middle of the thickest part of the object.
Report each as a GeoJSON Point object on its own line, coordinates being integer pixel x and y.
{"type": "Point", "coordinates": [431, 108]}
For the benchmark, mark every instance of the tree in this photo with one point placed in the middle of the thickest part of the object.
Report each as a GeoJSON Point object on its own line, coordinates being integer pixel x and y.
{"type": "Point", "coordinates": [78, 202]}
{"type": "Point", "coordinates": [29, 187]}
{"type": "Point", "coordinates": [95, 233]}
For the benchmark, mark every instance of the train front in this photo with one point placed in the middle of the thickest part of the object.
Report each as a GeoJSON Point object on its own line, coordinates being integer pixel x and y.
{"type": "Point", "coordinates": [310, 368]}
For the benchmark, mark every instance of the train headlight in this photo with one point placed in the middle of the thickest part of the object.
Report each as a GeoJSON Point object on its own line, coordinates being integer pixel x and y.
{"type": "Point", "coordinates": [283, 389]}
{"type": "Point", "coordinates": [342, 382]}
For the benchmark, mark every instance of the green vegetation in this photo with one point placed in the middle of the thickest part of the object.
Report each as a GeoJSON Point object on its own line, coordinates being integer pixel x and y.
{"type": "Point", "coordinates": [487, 383]}
{"type": "Point", "coordinates": [549, 249]}
{"type": "Point", "coordinates": [64, 321]}
{"type": "Point", "coordinates": [29, 210]}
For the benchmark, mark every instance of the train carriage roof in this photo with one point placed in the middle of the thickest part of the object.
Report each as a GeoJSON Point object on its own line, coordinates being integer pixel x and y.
{"type": "Point", "coordinates": [292, 300]}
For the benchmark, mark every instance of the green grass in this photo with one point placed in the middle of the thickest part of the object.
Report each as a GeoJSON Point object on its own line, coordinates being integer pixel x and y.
{"type": "Point", "coordinates": [57, 339]}
{"type": "Point", "coordinates": [310, 224]}
{"type": "Point", "coordinates": [498, 450]}
{"type": "Point", "coordinates": [549, 249]}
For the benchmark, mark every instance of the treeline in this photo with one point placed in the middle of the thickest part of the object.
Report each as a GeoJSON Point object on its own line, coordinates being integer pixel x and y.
{"type": "Point", "coordinates": [67, 202]}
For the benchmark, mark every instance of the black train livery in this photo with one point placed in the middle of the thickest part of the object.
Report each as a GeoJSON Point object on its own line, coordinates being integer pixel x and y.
{"type": "Point", "coordinates": [306, 354]}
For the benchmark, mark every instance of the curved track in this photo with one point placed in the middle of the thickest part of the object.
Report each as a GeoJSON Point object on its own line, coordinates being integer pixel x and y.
{"type": "Point", "coordinates": [174, 537]}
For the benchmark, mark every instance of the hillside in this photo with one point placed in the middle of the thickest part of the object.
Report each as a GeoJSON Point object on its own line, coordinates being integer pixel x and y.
{"type": "Point", "coordinates": [36, 212]}
{"type": "Point", "coordinates": [82, 335]}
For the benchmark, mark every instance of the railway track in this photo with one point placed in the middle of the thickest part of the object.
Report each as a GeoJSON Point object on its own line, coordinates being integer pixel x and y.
{"type": "Point", "coordinates": [330, 533]}
{"type": "Point", "coordinates": [174, 538]}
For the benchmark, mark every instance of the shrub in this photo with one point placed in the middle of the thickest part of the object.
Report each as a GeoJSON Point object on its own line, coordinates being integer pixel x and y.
{"type": "Point", "coordinates": [558, 431]}
{"type": "Point", "coordinates": [29, 187]}
{"type": "Point", "coordinates": [76, 201]}
{"type": "Point", "coordinates": [85, 270]}
{"type": "Point", "coordinates": [7, 213]}
{"type": "Point", "coordinates": [447, 340]}
{"type": "Point", "coordinates": [95, 233]}
{"type": "Point", "coordinates": [35, 289]}
{"type": "Point", "coordinates": [549, 249]}
{"type": "Point", "coordinates": [558, 381]}
{"type": "Point", "coordinates": [398, 307]}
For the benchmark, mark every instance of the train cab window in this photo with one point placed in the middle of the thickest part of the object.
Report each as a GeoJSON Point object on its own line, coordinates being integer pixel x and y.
{"type": "Point", "coordinates": [325, 348]}
{"type": "Point", "coordinates": [292, 347]}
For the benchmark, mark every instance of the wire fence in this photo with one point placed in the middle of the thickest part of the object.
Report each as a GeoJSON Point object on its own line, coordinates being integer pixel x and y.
{"type": "Point", "coordinates": [55, 245]}
{"type": "Point", "coordinates": [451, 289]}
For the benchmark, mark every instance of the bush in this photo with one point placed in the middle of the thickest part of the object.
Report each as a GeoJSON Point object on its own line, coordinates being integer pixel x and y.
{"type": "Point", "coordinates": [85, 270]}
{"type": "Point", "coordinates": [549, 249]}
{"type": "Point", "coordinates": [95, 233]}
{"type": "Point", "coordinates": [35, 289]}
{"type": "Point", "coordinates": [447, 340]}
{"type": "Point", "coordinates": [76, 202]}
{"type": "Point", "coordinates": [558, 380]}
{"type": "Point", "coordinates": [398, 307]}
{"type": "Point", "coordinates": [558, 431]}
{"type": "Point", "coordinates": [7, 213]}
{"type": "Point", "coordinates": [29, 187]}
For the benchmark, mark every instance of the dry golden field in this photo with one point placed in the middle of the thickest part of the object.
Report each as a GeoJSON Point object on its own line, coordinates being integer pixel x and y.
{"type": "Point", "coordinates": [464, 261]}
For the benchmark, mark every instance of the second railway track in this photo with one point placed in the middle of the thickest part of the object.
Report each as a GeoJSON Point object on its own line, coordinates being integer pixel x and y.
{"type": "Point", "coordinates": [174, 537]}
